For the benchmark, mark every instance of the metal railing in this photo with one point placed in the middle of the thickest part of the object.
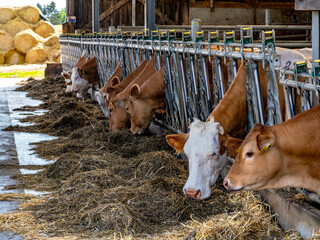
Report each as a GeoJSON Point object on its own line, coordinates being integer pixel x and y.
{"type": "Point", "coordinates": [189, 90]}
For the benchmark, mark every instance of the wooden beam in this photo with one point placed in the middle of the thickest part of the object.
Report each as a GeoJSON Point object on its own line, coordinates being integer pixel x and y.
{"type": "Point", "coordinates": [109, 11]}
{"type": "Point", "coordinates": [246, 4]}
{"type": "Point", "coordinates": [160, 14]}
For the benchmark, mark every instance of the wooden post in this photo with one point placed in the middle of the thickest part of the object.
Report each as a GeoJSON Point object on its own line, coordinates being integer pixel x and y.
{"type": "Point", "coordinates": [134, 4]}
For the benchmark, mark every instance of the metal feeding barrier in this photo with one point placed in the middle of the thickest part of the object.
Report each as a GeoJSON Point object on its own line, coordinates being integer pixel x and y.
{"type": "Point", "coordinates": [193, 70]}
{"type": "Point", "coordinates": [301, 88]}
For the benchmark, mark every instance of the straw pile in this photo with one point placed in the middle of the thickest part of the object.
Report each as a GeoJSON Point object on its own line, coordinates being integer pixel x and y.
{"type": "Point", "coordinates": [21, 30]}
{"type": "Point", "coordinates": [118, 185]}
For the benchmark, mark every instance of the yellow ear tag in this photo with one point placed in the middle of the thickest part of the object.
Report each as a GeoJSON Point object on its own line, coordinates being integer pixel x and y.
{"type": "Point", "coordinates": [237, 150]}
{"type": "Point", "coordinates": [266, 148]}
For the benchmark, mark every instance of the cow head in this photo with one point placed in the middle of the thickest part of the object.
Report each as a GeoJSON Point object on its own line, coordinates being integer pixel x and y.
{"type": "Point", "coordinates": [142, 110]}
{"type": "Point", "coordinates": [67, 79]}
{"type": "Point", "coordinates": [118, 116]}
{"type": "Point", "coordinates": [78, 83]}
{"type": "Point", "coordinates": [205, 158]}
{"type": "Point", "coordinates": [109, 89]}
{"type": "Point", "coordinates": [257, 162]}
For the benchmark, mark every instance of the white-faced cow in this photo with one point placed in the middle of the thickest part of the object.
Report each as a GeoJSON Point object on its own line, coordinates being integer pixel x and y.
{"type": "Point", "coordinates": [145, 102]}
{"type": "Point", "coordinates": [283, 155]}
{"type": "Point", "coordinates": [231, 114]}
{"type": "Point", "coordinates": [85, 77]}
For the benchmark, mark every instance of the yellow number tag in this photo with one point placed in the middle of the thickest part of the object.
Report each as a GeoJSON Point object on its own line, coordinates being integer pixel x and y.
{"type": "Point", "coordinates": [266, 148]}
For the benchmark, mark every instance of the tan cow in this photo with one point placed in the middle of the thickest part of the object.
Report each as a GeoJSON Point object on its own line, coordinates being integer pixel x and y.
{"type": "Point", "coordinates": [283, 155]}
{"type": "Point", "coordinates": [102, 93]}
{"type": "Point", "coordinates": [145, 102]}
{"type": "Point", "coordinates": [118, 116]}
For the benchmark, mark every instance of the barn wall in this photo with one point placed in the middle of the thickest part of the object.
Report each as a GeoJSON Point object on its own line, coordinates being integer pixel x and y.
{"type": "Point", "coordinates": [248, 16]}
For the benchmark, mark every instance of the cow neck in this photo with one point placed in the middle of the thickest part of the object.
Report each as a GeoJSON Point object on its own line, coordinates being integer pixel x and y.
{"type": "Point", "coordinates": [154, 86]}
{"type": "Point", "coordinates": [298, 140]}
{"type": "Point", "coordinates": [231, 112]}
{"type": "Point", "coordinates": [146, 73]}
{"type": "Point", "coordinates": [127, 80]}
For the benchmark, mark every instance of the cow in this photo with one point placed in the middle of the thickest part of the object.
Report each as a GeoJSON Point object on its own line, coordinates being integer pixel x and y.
{"type": "Point", "coordinates": [145, 102]}
{"type": "Point", "coordinates": [84, 77]}
{"type": "Point", "coordinates": [101, 95]}
{"type": "Point", "coordinates": [118, 116]}
{"type": "Point", "coordinates": [283, 155]}
{"type": "Point", "coordinates": [67, 79]}
{"type": "Point", "coordinates": [231, 114]}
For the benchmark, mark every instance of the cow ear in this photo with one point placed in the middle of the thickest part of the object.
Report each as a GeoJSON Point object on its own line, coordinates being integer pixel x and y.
{"type": "Point", "coordinates": [65, 75]}
{"type": "Point", "coordinates": [81, 72]}
{"type": "Point", "coordinates": [177, 141]}
{"type": "Point", "coordinates": [265, 139]}
{"type": "Point", "coordinates": [114, 81]}
{"type": "Point", "coordinates": [233, 145]}
{"type": "Point", "coordinates": [135, 91]}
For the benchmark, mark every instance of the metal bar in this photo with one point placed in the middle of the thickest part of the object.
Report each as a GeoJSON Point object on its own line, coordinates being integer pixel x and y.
{"type": "Point", "coordinates": [315, 35]}
{"type": "Point", "coordinates": [150, 15]}
{"type": "Point", "coordinates": [95, 16]}
{"type": "Point", "coordinates": [258, 89]}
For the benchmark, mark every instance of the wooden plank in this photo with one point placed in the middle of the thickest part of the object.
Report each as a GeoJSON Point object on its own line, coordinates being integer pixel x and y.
{"type": "Point", "coordinates": [109, 11]}
{"type": "Point", "coordinates": [160, 14]}
{"type": "Point", "coordinates": [247, 4]}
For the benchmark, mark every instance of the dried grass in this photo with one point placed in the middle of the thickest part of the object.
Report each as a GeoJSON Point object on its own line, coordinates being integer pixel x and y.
{"type": "Point", "coordinates": [120, 186]}
{"type": "Point", "coordinates": [6, 14]}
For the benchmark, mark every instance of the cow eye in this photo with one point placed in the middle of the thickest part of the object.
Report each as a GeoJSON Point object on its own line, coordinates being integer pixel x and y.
{"type": "Point", "coordinates": [127, 109]}
{"type": "Point", "coordinates": [110, 110]}
{"type": "Point", "coordinates": [249, 154]}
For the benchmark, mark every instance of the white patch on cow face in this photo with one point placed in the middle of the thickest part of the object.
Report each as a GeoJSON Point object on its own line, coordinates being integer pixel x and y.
{"type": "Point", "coordinates": [78, 83]}
{"type": "Point", "coordinates": [205, 162]}
{"type": "Point", "coordinates": [102, 103]}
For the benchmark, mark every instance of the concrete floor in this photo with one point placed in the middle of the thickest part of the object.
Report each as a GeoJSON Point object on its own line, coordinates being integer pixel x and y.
{"type": "Point", "coordinates": [15, 148]}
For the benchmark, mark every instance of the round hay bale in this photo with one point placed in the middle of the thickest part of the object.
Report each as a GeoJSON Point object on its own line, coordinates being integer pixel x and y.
{"type": "Point", "coordinates": [6, 42]}
{"type": "Point", "coordinates": [13, 57]}
{"type": "Point", "coordinates": [6, 14]}
{"type": "Point", "coordinates": [36, 55]}
{"type": "Point", "coordinates": [29, 14]}
{"type": "Point", "coordinates": [44, 29]}
{"type": "Point", "coordinates": [26, 40]}
{"type": "Point", "coordinates": [1, 58]}
{"type": "Point", "coordinates": [52, 41]}
{"type": "Point", "coordinates": [15, 26]}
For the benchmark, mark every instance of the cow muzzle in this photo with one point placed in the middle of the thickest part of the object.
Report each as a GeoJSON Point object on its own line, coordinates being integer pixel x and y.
{"type": "Point", "coordinates": [229, 186]}
{"type": "Point", "coordinates": [193, 193]}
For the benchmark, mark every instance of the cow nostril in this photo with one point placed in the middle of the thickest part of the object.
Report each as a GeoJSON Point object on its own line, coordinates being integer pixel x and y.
{"type": "Point", "coordinates": [198, 194]}
{"type": "Point", "coordinates": [226, 184]}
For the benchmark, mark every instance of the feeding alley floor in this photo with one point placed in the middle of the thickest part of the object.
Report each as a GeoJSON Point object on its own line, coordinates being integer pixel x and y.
{"type": "Point", "coordinates": [15, 148]}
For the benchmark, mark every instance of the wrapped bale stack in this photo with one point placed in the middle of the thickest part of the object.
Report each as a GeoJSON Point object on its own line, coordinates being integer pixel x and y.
{"type": "Point", "coordinates": [24, 38]}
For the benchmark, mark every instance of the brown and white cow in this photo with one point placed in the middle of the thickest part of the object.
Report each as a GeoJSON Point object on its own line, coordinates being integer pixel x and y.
{"type": "Point", "coordinates": [118, 116]}
{"type": "Point", "coordinates": [283, 155]}
{"type": "Point", "coordinates": [205, 162]}
{"type": "Point", "coordinates": [102, 93]}
{"type": "Point", "coordinates": [145, 102]}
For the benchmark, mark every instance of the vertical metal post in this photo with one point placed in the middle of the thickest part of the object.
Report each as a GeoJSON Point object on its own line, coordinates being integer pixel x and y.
{"type": "Point", "coordinates": [195, 27]}
{"type": "Point", "coordinates": [315, 35]}
{"type": "Point", "coordinates": [268, 17]}
{"type": "Point", "coordinates": [149, 17]}
{"type": "Point", "coordinates": [95, 16]}
{"type": "Point", "coordinates": [134, 4]}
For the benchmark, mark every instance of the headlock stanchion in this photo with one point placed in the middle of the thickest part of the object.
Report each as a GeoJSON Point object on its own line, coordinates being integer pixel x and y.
{"type": "Point", "coordinates": [194, 77]}
{"type": "Point", "coordinates": [194, 71]}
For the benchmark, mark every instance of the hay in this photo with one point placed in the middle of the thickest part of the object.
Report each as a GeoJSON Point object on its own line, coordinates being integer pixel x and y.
{"type": "Point", "coordinates": [13, 57]}
{"type": "Point", "coordinates": [1, 58]}
{"type": "Point", "coordinates": [36, 55]}
{"type": "Point", "coordinates": [26, 40]}
{"type": "Point", "coordinates": [118, 185]}
{"type": "Point", "coordinates": [52, 41]}
{"type": "Point", "coordinates": [6, 42]}
{"type": "Point", "coordinates": [44, 29]}
{"type": "Point", "coordinates": [29, 14]}
{"type": "Point", "coordinates": [6, 14]}
{"type": "Point", "coordinates": [15, 26]}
